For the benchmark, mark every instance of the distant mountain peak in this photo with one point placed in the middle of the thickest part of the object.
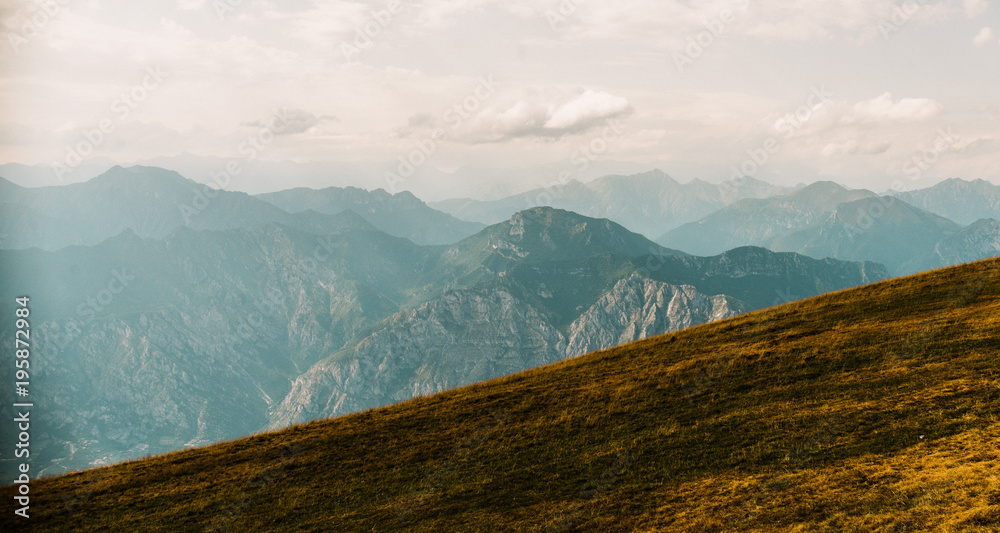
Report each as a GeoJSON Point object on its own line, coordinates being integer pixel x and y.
{"type": "Point", "coordinates": [140, 175]}
{"type": "Point", "coordinates": [549, 218]}
{"type": "Point", "coordinates": [655, 175]}
{"type": "Point", "coordinates": [545, 214]}
{"type": "Point", "coordinates": [7, 186]}
{"type": "Point", "coordinates": [401, 214]}
{"type": "Point", "coordinates": [819, 187]}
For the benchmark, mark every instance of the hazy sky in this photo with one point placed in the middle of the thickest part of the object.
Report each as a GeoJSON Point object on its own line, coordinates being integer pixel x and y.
{"type": "Point", "coordinates": [846, 89]}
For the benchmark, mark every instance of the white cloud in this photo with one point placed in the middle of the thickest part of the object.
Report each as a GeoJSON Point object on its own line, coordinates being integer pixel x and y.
{"type": "Point", "coordinates": [855, 147]}
{"type": "Point", "coordinates": [883, 108]}
{"type": "Point", "coordinates": [587, 109]}
{"type": "Point", "coordinates": [671, 23]}
{"type": "Point", "coordinates": [545, 113]}
{"type": "Point", "coordinates": [267, 55]}
{"type": "Point", "coordinates": [292, 121]}
{"type": "Point", "coordinates": [984, 36]}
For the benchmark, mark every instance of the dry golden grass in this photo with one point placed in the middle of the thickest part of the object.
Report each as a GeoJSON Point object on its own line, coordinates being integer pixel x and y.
{"type": "Point", "coordinates": [869, 410]}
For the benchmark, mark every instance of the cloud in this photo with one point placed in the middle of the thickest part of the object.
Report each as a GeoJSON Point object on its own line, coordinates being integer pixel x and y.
{"type": "Point", "coordinates": [586, 110]}
{"type": "Point", "coordinates": [670, 23]}
{"type": "Point", "coordinates": [974, 8]}
{"type": "Point", "coordinates": [854, 147]}
{"type": "Point", "coordinates": [292, 121]}
{"type": "Point", "coordinates": [883, 108]}
{"type": "Point", "coordinates": [544, 115]}
{"type": "Point", "coordinates": [328, 25]}
{"type": "Point", "coordinates": [421, 120]}
{"type": "Point", "coordinates": [418, 122]}
{"type": "Point", "coordinates": [984, 36]}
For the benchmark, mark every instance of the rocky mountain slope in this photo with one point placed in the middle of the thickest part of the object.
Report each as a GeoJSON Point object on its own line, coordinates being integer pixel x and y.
{"type": "Point", "coordinates": [573, 302]}
{"type": "Point", "coordinates": [474, 334]}
{"type": "Point", "coordinates": [149, 345]}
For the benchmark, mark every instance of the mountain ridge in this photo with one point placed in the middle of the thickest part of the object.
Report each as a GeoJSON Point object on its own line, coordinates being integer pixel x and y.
{"type": "Point", "coordinates": [659, 204]}
{"type": "Point", "coordinates": [718, 427]}
{"type": "Point", "coordinates": [256, 312]}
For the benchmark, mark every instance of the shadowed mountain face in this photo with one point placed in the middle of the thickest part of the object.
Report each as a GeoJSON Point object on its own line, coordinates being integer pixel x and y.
{"type": "Point", "coordinates": [148, 345]}
{"type": "Point", "coordinates": [979, 240]}
{"type": "Point", "coordinates": [649, 203]}
{"type": "Point", "coordinates": [827, 220]}
{"type": "Point", "coordinates": [962, 201]}
{"type": "Point", "coordinates": [152, 202]}
{"type": "Point", "coordinates": [400, 214]}
{"type": "Point", "coordinates": [754, 222]}
{"type": "Point", "coordinates": [883, 229]}
{"type": "Point", "coordinates": [144, 346]}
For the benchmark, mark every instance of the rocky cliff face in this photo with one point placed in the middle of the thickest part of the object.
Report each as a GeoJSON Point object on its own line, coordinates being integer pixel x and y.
{"type": "Point", "coordinates": [463, 337]}
{"type": "Point", "coordinates": [473, 335]}
{"type": "Point", "coordinates": [638, 307]}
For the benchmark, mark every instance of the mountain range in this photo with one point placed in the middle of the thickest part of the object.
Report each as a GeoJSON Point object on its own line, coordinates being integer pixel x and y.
{"type": "Point", "coordinates": [649, 203]}
{"type": "Point", "coordinates": [827, 220]}
{"type": "Point", "coordinates": [400, 214]}
{"type": "Point", "coordinates": [152, 202]}
{"type": "Point", "coordinates": [172, 315]}
{"type": "Point", "coordinates": [959, 200]}
{"type": "Point", "coordinates": [150, 343]}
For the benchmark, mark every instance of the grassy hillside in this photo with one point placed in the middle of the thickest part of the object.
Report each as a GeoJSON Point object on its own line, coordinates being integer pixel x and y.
{"type": "Point", "coordinates": [871, 409]}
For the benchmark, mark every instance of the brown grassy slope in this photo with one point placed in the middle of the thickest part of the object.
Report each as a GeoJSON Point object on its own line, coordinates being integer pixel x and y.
{"type": "Point", "coordinates": [871, 409]}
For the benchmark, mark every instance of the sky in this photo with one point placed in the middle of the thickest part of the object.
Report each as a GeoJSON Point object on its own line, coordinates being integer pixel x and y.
{"type": "Point", "coordinates": [507, 95]}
